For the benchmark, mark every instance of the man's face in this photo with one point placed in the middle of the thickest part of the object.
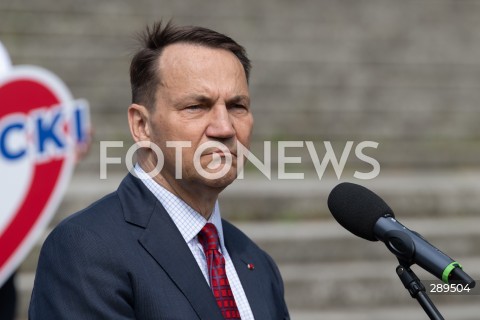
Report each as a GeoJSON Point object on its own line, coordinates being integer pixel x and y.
{"type": "Point", "coordinates": [203, 97]}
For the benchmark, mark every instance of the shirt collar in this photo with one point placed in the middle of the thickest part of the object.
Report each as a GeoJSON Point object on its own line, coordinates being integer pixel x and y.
{"type": "Point", "coordinates": [188, 221]}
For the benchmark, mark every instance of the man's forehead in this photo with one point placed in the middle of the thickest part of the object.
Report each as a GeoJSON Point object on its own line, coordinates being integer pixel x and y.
{"type": "Point", "coordinates": [186, 55]}
{"type": "Point", "coordinates": [185, 63]}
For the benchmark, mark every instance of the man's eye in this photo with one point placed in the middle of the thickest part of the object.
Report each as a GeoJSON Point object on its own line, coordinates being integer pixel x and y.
{"type": "Point", "coordinates": [240, 107]}
{"type": "Point", "coordinates": [194, 107]}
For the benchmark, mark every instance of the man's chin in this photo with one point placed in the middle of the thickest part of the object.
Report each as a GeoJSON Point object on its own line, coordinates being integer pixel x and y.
{"type": "Point", "coordinates": [215, 180]}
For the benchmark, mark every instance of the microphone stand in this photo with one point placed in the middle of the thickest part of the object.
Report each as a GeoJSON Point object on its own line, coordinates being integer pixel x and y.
{"type": "Point", "coordinates": [417, 290]}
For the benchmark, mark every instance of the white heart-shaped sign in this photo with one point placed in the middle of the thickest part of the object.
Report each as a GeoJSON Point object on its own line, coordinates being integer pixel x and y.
{"type": "Point", "coordinates": [40, 124]}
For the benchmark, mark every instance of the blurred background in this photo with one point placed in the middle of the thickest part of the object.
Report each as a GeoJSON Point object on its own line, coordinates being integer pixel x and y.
{"type": "Point", "coordinates": [405, 74]}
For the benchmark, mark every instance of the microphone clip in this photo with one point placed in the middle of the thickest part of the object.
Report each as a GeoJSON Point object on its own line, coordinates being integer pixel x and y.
{"type": "Point", "coordinates": [417, 290]}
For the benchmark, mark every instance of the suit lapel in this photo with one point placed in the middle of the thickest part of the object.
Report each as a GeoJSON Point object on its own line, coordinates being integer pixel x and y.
{"type": "Point", "coordinates": [166, 245]}
{"type": "Point", "coordinates": [251, 279]}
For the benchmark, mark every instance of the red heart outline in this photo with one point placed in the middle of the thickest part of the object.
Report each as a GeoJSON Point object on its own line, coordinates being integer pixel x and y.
{"type": "Point", "coordinates": [50, 179]}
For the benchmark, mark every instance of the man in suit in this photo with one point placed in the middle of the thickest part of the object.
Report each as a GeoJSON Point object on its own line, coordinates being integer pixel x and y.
{"type": "Point", "coordinates": [157, 248]}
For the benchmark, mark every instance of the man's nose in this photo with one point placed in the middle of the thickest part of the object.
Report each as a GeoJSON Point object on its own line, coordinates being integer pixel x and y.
{"type": "Point", "coordinates": [221, 125]}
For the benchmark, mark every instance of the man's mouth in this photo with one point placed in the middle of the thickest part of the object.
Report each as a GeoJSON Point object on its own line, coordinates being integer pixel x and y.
{"type": "Point", "coordinates": [220, 152]}
{"type": "Point", "coordinates": [219, 157]}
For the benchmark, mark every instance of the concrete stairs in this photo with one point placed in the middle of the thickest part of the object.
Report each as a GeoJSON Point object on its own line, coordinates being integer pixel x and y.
{"type": "Point", "coordinates": [331, 274]}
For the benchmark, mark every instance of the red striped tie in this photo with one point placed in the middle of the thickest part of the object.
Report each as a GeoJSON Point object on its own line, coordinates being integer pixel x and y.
{"type": "Point", "coordinates": [208, 237]}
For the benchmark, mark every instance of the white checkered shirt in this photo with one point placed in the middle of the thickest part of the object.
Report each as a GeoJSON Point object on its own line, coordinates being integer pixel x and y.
{"type": "Point", "coordinates": [189, 222]}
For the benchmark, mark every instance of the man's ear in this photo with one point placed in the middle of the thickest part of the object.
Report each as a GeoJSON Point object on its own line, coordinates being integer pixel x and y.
{"type": "Point", "coordinates": [138, 121]}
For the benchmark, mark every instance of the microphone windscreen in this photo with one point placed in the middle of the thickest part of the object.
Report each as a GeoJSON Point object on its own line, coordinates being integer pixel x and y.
{"type": "Point", "coordinates": [357, 209]}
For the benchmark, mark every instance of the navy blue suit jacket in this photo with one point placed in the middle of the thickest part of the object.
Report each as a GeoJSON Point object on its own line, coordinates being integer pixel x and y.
{"type": "Point", "coordinates": [124, 258]}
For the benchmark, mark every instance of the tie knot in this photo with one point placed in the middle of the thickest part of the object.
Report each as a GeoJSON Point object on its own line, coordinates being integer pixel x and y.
{"type": "Point", "coordinates": [208, 237]}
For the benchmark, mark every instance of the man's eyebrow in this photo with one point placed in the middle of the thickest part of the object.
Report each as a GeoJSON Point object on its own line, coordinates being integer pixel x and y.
{"type": "Point", "coordinates": [205, 99]}
{"type": "Point", "coordinates": [193, 98]}
{"type": "Point", "coordinates": [239, 98]}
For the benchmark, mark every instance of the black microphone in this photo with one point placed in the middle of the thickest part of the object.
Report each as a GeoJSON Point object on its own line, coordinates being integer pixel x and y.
{"type": "Point", "coordinates": [367, 216]}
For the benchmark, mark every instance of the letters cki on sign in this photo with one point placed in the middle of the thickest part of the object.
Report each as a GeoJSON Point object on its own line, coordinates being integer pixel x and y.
{"type": "Point", "coordinates": [40, 127]}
